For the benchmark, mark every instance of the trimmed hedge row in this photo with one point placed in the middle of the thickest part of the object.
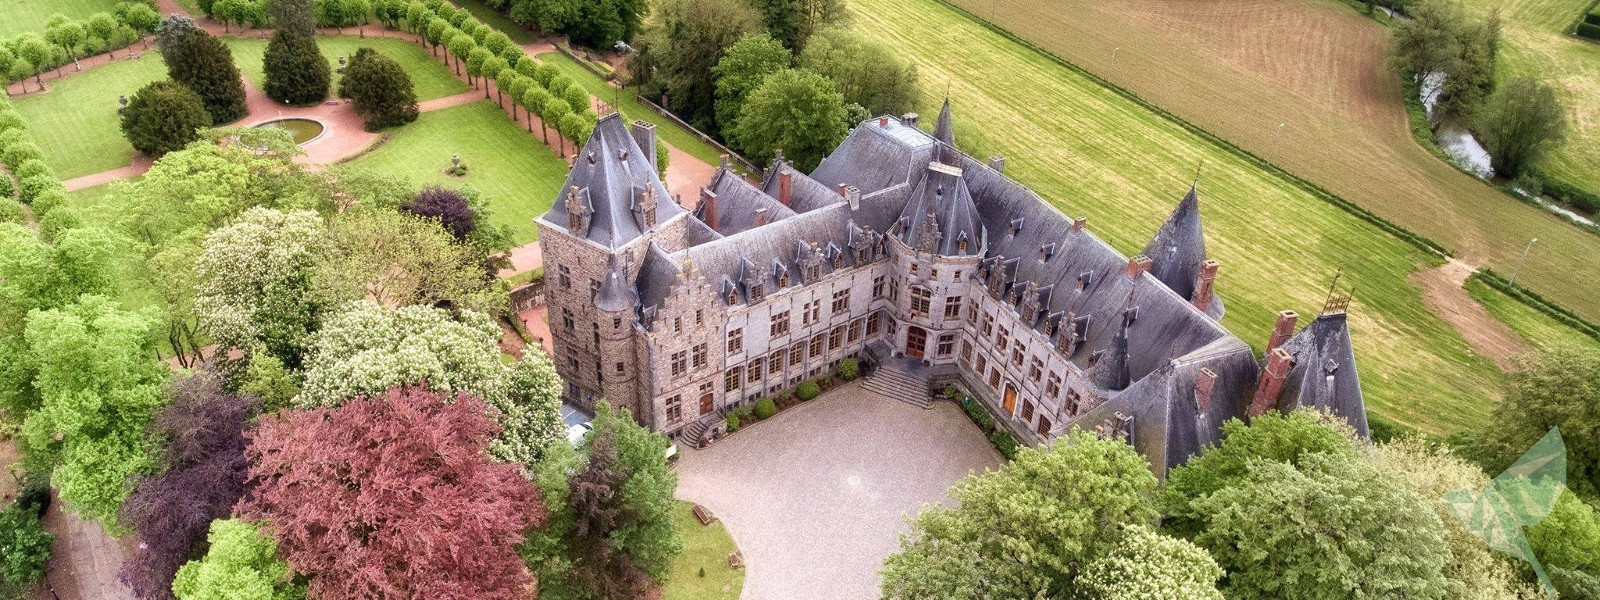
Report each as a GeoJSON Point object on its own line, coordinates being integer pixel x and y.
{"type": "Point", "coordinates": [1589, 30]}
{"type": "Point", "coordinates": [1539, 303]}
{"type": "Point", "coordinates": [36, 183]}
{"type": "Point", "coordinates": [1001, 439]}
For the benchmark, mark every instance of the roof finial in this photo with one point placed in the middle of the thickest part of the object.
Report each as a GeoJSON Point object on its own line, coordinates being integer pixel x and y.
{"type": "Point", "coordinates": [1197, 169]}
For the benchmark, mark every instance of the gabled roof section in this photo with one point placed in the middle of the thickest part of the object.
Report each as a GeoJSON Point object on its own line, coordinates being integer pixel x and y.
{"type": "Point", "coordinates": [608, 176]}
{"type": "Point", "coordinates": [1324, 372]}
{"type": "Point", "coordinates": [805, 194]}
{"type": "Point", "coordinates": [1179, 247]}
{"type": "Point", "coordinates": [736, 204]}
{"type": "Point", "coordinates": [940, 214]}
{"type": "Point", "coordinates": [878, 154]}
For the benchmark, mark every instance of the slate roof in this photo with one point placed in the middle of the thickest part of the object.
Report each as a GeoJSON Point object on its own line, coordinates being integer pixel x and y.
{"type": "Point", "coordinates": [736, 204]}
{"type": "Point", "coordinates": [940, 214]}
{"type": "Point", "coordinates": [805, 194]}
{"type": "Point", "coordinates": [616, 292]}
{"type": "Point", "coordinates": [1178, 249]}
{"type": "Point", "coordinates": [609, 175]}
{"type": "Point", "coordinates": [944, 131]}
{"type": "Point", "coordinates": [1323, 375]}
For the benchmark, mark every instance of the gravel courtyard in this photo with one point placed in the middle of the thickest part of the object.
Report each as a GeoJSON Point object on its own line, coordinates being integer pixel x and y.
{"type": "Point", "coordinates": [816, 497]}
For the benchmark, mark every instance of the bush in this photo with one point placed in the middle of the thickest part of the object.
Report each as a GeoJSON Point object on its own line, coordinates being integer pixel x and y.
{"type": "Point", "coordinates": [204, 64]}
{"type": "Point", "coordinates": [31, 188]}
{"type": "Point", "coordinates": [57, 221]}
{"type": "Point", "coordinates": [7, 189]}
{"type": "Point", "coordinates": [733, 422]}
{"type": "Point", "coordinates": [765, 408]}
{"type": "Point", "coordinates": [11, 211]}
{"type": "Point", "coordinates": [48, 201]}
{"type": "Point", "coordinates": [27, 547]}
{"type": "Point", "coordinates": [849, 369]}
{"type": "Point", "coordinates": [10, 120]}
{"type": "Point", "coordinates": [34, 496]}
{"type": "Point", "coordinates": [978, 414]}
{"type": "Point", "coordinates": [296, 72]}
{"type": "Point", "coordinates": [162, 117]}
{"type": "Point", "coordinates": [380, 89]}
{"type": "Point", "coordinates": [33, 167]}
{"type": "Point", "coordinates": [1003, 442]}
{"type": "Point", "coordinates": [1574, 196]}
{"type": "Point", "coordinates": [808, 390]}
{"type": "Point", "coordinates": [20, 152]}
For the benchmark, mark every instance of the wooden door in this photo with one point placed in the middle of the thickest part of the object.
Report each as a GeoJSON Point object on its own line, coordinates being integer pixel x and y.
{"type": "Point", "coordinates": [1011, 399]}
{"type": "Point", "coordinates": [705, 404]}
{"type": "Point", "coordinates": [916, 339]}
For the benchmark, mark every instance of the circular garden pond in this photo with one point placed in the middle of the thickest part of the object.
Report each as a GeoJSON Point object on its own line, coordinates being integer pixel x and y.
{"type": "Point", "coordinates": [302, 130]}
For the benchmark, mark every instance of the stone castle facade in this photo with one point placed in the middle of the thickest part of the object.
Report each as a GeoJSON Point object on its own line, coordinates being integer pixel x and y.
{"type": "Point", "coordinates": [898, 246]}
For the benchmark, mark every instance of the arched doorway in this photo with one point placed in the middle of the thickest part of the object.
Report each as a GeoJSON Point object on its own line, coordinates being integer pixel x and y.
{"type": "Point", "coordinates": [916, 340]}
{"type": "Point", "coordinates": [1011, 399]}
{"type": "Point", "coordinates": [706, 404]}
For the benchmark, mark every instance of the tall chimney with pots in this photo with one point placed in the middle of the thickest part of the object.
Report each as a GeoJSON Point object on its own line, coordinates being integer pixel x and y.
{"type": "Point", "coordinates": [1079, 223]}
{"type": "Point", "coordinates": [644, 132]}
{"type": "Point", "coordinates": [1202, 285]}
{"type": "Point", "coordinates": [909, 118]}
{"type": "Point", "coordinates": [1283, 330]}
{"type": "Point", "coordinates": [1278, 363]}
{"type": "Point", "coordinates": [708, 206]}
{"type": "Point", "coordinates": [1138, 265]}
{"type": "Point", "coordinates": [852, 194]}
{"type": "Point", "coordinates": [998, 163]}
{"type": "Point", "coordinates": [785, 185]}
{"type": "Point", "coordinates": [1204, 382]}
{"type": "Point", "coordinates": [883, 121]}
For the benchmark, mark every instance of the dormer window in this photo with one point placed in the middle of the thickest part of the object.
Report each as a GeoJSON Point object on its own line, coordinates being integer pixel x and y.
{"type": "Point", "coordinates": [961, 246]}
{"type": "Point", "coordinates": [783, 280]}
{"type": "Point", "coordinates": [650, 216]}
{"type": "Point", "coordinates": [733, 297]}
{"type": "Point", "coordinates": [757, 292]}
{"type": "Point", "coordinates": [1095, 358]}
{"type": "Point", "coordinates": [1085, 279]}
{"type": "Point", "coordinates": [1046, 251]}
{"type": "Point", "coordinates": [814, 272]}
{"type": "Point", "coordinates": [1016, 226]}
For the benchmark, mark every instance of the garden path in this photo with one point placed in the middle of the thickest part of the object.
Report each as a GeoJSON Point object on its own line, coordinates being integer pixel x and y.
{"type": "Point", "coordinates": [1442, 291]}
{"type": "Point", "coordinates": [20, 88]}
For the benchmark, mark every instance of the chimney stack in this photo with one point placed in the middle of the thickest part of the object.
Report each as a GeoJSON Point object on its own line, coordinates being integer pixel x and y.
{"type": "Point", "coordinates": [1283, 330]}
{"type": "Point", "coordinates": [909, 118]}
{"type": "Point", "coordinates": [1204, 382]}
{"type": "Point", "coordinates": [1078, 223]}
{"type": "Point", "coordinates": [1202, 285]}
{"type": "Point", "coordinates": [1278, 363]}
{"type": "Point", "coordinates": [1137, 266]}
{"type": "Point", "coordinates": [708, 206]}
{"type": "Point", "coordinates": [883, 121]}
{"type": "Point", "coordinates": [852, 194]}
{"type": "Point", "coordinates": [722, 160]}
{"type": "Point", "coordinates": [785, 185]}
{"type": "Point", "coordinates": [644, 132]}
{"type": "Point", "coordinates": [760, 217]}
{"type": "Point", "coordinates": [998, 163]}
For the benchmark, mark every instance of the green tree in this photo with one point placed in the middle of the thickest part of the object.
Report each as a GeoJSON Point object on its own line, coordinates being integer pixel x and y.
{"type": "Point", "coordinates": [675, 57]}
{"type": "Point", "coordinates": [142, 17]}
{"type": "Point", "coordinates": [68, 34]}
{"type": "Point", "coordinates": [490, 69]}
{"type": "Point", "coordinates": [380, 89]}
{"type": "Point", "coordinates": [297, 17]}
{"type": "Point", "coordinates": [550, 16]}
{"type": "Point", "coordinates": [436, 34]}
{"type": "Point", "coordinates": [475, 60]}
{"type": "Point", "coordinates": [27, 548]}
{"type": "Point", "coordinates": [793, 22]}
{"type": "Point", "coordinates": [102, 26]}
{"type": "Point", "coordinates": [255, 283]}
{"type": "Point", "coordinates": [795, 110]}
{"type": "Point", "coordinates": [746, 64]}
{"type": "Point", "coordinates": [162, 117]}
{"type": "Point", "coordinates": [266, 378]}
{"type": "Point", "coordinates": [36, 276]}
{"type": "Point", "coordinates": [98, 388]}
{"type": "Point", "coordinates": [1521, 123]}
{"type": "Point", "coordinates": [241, 564]}
{"type": "Point", "coordinates": [1569, 537]}
{"type": "Point", "coordinates": [1556, 387]}
{"type": "Point", "coordinates": [36, 52]}
{"type": "Point", "coordinates": [505, 79]}
{"type": "Point", "coordinates": [296, 72]}
{"type": "Point", "coordinates": [556, 109]}
{"type": "Point", "coordinates": [534, 101]}
{"type": "Point", "coordinates": [1335, 527]}
{"type": "Point", "coordinates": [204, 64]}
{"type": "Point", "coordinates": [399, 259]}
{"type": "Point", "coordinates": [866, 70]}
{"type": "Point", "coordinates": [1037, 521]}
{"type": "Point", "coordinates": [1145, 565]}
{"type": "Point", "coordinates": [461, 46]}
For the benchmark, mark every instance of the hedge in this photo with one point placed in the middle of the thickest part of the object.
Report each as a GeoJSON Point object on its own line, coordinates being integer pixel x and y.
{"type": "Point", "coordinates": [1574, 196]}
{"type": "Point", "coordinates": [1589, 30]}
{"type": "Point", "coordinates": [1539, 303]}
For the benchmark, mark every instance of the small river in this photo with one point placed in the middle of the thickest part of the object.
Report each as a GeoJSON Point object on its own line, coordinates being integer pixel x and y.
{"type": "Point", "coordinates": [1453, 136]}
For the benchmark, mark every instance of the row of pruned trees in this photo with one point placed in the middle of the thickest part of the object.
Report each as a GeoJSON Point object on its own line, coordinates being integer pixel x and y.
{"type": "Point", "coordinates": [66, 40]}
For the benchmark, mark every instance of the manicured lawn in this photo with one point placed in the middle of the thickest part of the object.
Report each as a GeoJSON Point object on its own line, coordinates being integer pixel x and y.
{"type": "Point", "coordinates": [494, 18]}
{"type": "Point", "coordinates": [705, 548]}
{"type": "Point", "coordinates": [429, 76]}
{"type": "Point", "coordinates": [1090, 151]}
{"type": "Point", "coordinates": [18, 16]}
{"type": "Point", "coordinates": [520, 175]}
{"type": "Point", "coordinates": [631, 108]}
{"type": "Point", "coordinates": [75, 123]}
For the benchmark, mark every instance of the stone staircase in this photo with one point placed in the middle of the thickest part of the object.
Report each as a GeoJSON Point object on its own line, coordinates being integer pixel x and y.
{"type": "Point", "coordinates": [904, 382]}
{"type": "Point", "coordinates": [691, 434]}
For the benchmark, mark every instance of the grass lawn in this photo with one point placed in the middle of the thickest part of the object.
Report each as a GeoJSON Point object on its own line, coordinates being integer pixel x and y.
{"type": "Point", "coordinates": [1092, 152]}
{"type": "Point", "coordinates": [95, 204]}
{"type": "Point", "coordinates": [429, 76]}
{"type": "Point", "coordinates": [18, 16]}
{"type": "Point", "coordinates": [1533, 44]}
{"type": "Point", "coordinates": [705, 547]}
{"type": "Point", "coordinates": [670, 132]}
{"type": "Point", "coordinates": [519, 174]}
{"type": "Point", "coordinates": [75, 122]}
{"type": "Point", "coordinates": [1540, 331]}
{"type": "Point", "coordinates": [519, 34]}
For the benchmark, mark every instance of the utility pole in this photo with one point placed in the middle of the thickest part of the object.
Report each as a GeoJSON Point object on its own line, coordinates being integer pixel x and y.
{"type": "Point", "coordinates": [1114, 58]}
{"type": "Point", "coordinates": [1518, 270]}
{"type": "Point", "coordinates": [1275, 135]}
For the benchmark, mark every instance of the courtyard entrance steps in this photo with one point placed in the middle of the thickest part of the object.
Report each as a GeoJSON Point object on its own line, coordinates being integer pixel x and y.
{"type": "Point", "coordinates": [692, 433]}
{"type": "Point", "coordinates": [901, 380]}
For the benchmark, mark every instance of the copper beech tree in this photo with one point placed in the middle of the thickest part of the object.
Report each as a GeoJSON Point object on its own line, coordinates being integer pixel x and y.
{"type": "Point", "coordinates": [393, 497]}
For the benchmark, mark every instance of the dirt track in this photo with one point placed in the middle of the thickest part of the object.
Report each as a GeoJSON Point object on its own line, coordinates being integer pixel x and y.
{"type": "Point", "coordinates": [1443, 292]}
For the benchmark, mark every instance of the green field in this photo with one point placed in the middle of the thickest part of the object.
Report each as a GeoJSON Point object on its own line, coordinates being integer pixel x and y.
{"type": "Point", "coordinates": [1092, 152]}
{"type": "Point", "coordinates": [18, 16]}
{"type": "Point", "coordinates": [1540, 331]}
{"type": "Point", "coordinates": [514, 30]}
{"type": "Point", "coordinates": [705, 547]}
{"type": "Point", "coordinates": [75, 123]}
{"type": "Point", "coordinates": [429, 76]}
{"type": "Point", "coordinates": [519, 174]}
{"type": "Point", "coordinates": [631, 108]}
{"type": "Point", "coordinates": [1533, 44]}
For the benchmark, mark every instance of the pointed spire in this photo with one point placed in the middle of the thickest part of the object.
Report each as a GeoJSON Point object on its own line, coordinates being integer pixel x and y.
{"type": "Point", "coordinates": [943, 130]}
{"type": "Point", "coordinates": [616, 293]}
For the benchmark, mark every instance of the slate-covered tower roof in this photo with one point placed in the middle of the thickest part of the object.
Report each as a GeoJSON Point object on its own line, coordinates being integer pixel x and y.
{"type": "Point", "coordinates": [612, 195]}
{"type": "Point", "coordinates": [616, 292]}
{"type": "Point", "coordinates": [1323, 374]}
{"type": "Point", "coordinates": [1178, 253]}
{"type": "Point", "coordinates": [940, 216]}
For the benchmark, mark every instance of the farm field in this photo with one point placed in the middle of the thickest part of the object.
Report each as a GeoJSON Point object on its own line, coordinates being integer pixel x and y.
{"type": "Point", "coordinates": [1533, 44]}
{"type": "Point", "coordinates": [1238, 68]}
{"type": "Point", "coordinates": [75, 122]}
{"type": "Point", "coordinates": [1538, 330]}
{"type": "Point", "coordinates": [429, 76]}
{"type": "Point", "coordinates": [1090, 151]}
{"type": "Point", "coordinates": [18, 16]}
{"type": "Point", "coordinates": [519, 174]}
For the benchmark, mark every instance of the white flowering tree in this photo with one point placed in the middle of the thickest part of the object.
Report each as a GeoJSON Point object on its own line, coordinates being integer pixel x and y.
{"type": "Point", "coordinates": [1146, 565]}
{"type": "Point", "coordinates": [254, 282]}
{"type": "Point", "coordinates": [366, 349]}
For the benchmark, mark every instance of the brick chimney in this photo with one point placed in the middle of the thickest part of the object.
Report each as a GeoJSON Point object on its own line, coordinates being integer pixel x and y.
{"type": "Point", "coordinates": [1278, 363]}
{"type": "Point", "coordinates": [998, 163]}
{"type": "Point", "coordinates": [1202, 284]}
{"type": "Point", "coordinates": [644, 132]}
{"type": "Point", "coordinates": [852, 194]}
{"type": "Point", "coordinates": [708, 206]}
{"type": "Point", "coordinates": [883, 121]}
{"type": "Point", "coordinates": [760, 217]}
{"type": "Point", "coordinates": [1079, 223]}
{"type": "Point", "coordinates": [1204, 382]}
{"type": "Point", "coordinates": [785, 185]}
{"type": "Point", "coordinates": [1283, 330]}
{"type": "Point", "coordinates": [1138, 265]}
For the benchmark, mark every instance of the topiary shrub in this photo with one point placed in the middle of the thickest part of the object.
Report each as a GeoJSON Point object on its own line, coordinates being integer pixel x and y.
{"type": "Point", "coordinates": [204, 64]}
{"type": "Point", "coordinates": [31, 168]}
{"type": "Point", "coordinates": [296, 73]}
{"type": "Point", "coordinates": [733, 422]}
{"type": "Point", "coordinates": [849, 369]}
{"type": "Point", "coordinates": [1003, 442]}
{"type": "Point", "coordinates": [765, 408]}
{"type": "Point", "coordinates": [380, 89]}
{"type": "Point", "coordinates": [11, 211]}
{"type": "Point", "coordinates": [808, 390]}
{"type": "Point", "coordinates": [162, 117]}
{"type": "Point", "coordinates": [31, 188]}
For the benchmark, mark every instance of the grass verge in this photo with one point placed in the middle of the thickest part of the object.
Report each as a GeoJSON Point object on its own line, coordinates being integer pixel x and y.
{"type": "Point", "coordinates": [630, 107]}
{"type": "Point", "coordinates": [75, 123]}
{"type": "Point", "coordinates": [705, 551]}
{"type": "Point", "coordinates": [20, 16]}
